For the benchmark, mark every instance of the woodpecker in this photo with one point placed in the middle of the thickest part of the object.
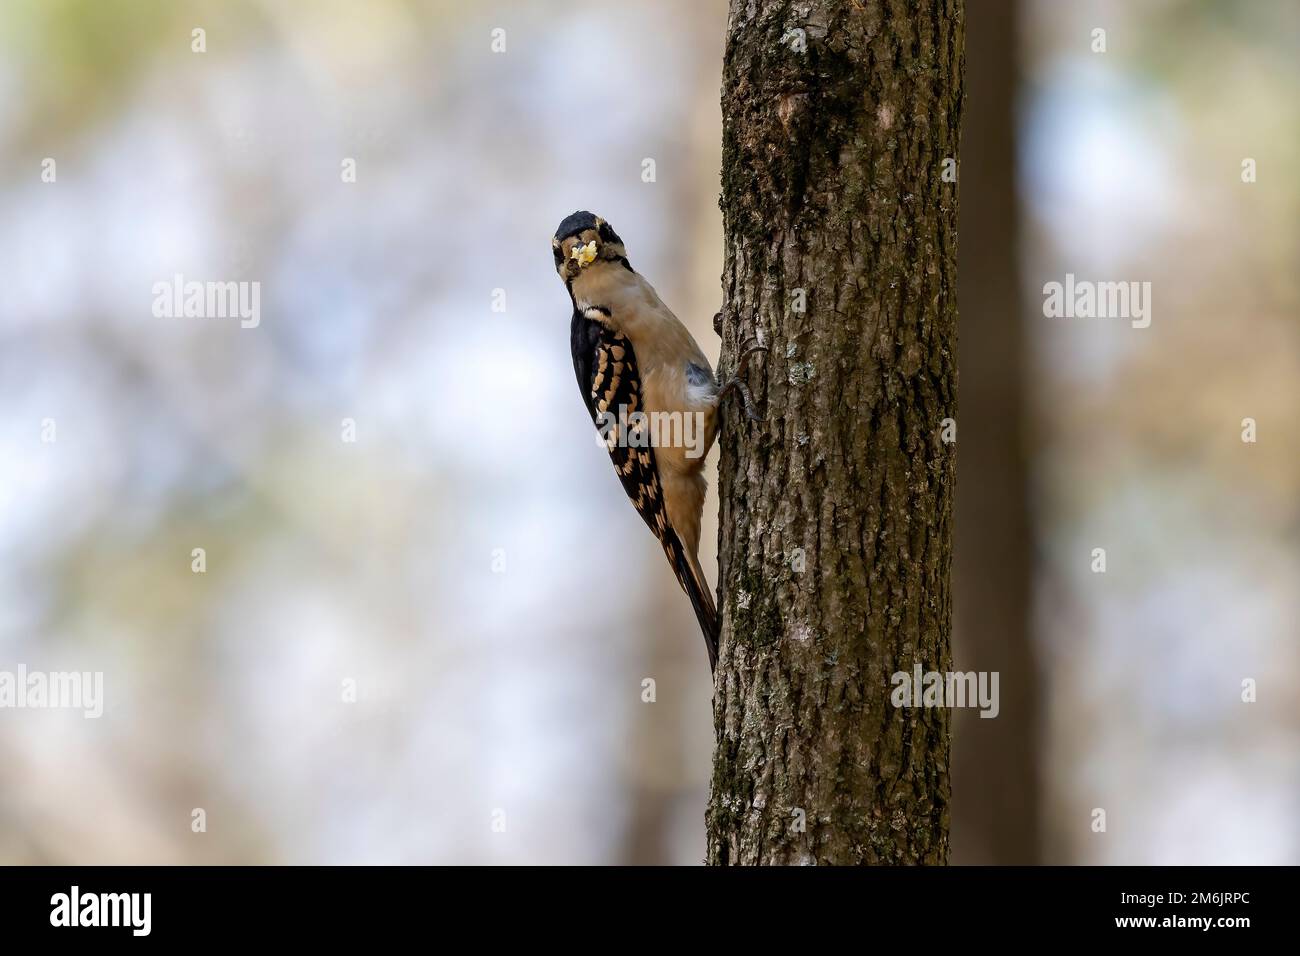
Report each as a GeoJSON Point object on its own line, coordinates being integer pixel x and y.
{"type": "Point", "coordinates": [651, 393]}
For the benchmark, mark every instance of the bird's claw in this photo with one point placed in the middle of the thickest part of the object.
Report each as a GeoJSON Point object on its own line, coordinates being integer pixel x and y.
{"type": "Point", "coordinates": [742, 363]}
{"type": "Point", "coordinates": [736, 383]}
{"type": "Point", "coordinates": [746, 399]}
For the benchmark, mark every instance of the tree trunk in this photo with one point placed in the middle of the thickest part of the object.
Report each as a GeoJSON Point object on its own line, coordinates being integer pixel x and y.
{"type": "Point", "coordinates": [995, 765]}
{"type": "Point", "coordinates": [841, 246]}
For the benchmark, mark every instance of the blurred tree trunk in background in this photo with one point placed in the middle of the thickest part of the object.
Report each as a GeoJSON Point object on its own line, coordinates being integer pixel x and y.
{"type": "Point", "coordinates": [995, 767]}
{"type": "Point", "coordinates": [836, 528]}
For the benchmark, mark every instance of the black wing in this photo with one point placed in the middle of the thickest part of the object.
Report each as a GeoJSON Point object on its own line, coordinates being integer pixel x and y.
{"type": "Point", "coordinates": [607, 374]}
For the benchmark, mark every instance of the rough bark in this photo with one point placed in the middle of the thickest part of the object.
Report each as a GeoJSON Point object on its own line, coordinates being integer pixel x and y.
{"type": "Point", "coordinates": [995, 766]}
{"type": "Point", "coordinates": [832, 184]}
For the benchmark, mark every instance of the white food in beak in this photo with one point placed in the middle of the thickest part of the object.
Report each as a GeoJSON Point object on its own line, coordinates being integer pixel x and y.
{"type": "Point", "coordinates": [584, 254]}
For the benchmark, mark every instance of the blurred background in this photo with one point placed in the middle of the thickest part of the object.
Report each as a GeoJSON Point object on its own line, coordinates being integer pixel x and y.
{"type": "Point", "coordinates": [402, 649]}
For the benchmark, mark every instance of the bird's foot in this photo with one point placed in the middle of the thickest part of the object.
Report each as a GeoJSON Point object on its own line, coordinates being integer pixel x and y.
{"type": "Point", "coordinates": [736, 384]}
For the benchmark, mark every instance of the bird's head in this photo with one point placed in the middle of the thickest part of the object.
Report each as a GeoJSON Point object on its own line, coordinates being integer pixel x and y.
{"type": "Point", "coordinates": [584, 241]}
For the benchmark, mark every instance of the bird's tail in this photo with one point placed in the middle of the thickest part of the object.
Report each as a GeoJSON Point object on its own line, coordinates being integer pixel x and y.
{"type": "Point", "coordinates": [691, 577]}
